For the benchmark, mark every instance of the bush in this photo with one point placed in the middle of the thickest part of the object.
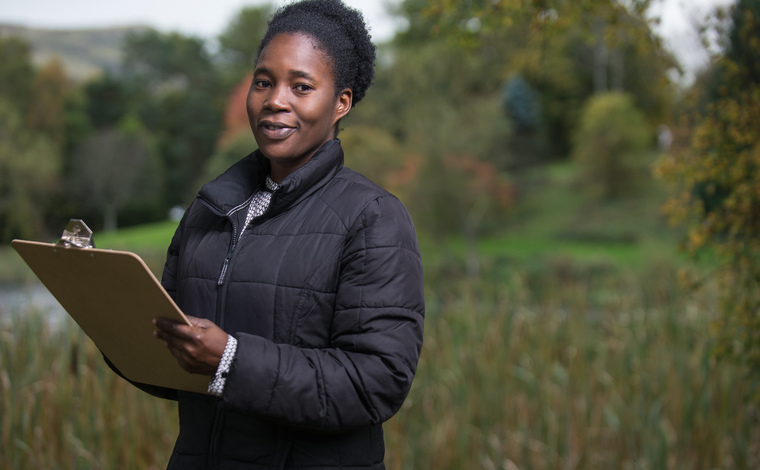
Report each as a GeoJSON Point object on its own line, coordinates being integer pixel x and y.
{"type": "Point", "coordinates": [609, 146]}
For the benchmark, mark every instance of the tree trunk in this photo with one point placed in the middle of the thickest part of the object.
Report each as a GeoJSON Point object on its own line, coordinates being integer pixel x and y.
{"type": "Point", "coordinates": [601, 58]}
{"type": "Point", "coordinates": [109, 217]}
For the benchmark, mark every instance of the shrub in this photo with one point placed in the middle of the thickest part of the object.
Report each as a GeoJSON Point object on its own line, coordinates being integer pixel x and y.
{"type": "Point", "coordinates": [609, 146]}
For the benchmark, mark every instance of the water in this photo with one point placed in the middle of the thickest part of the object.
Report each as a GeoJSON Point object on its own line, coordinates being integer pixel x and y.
{"type": "Point", "coordinates": [21, 299]}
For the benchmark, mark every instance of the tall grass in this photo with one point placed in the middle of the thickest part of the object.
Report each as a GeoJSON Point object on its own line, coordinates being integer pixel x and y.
{"type": "Point", "coordinates": [62, 408]}
{"type": "Point", "coordinates": [558, 370]}
{"type": "Point", "coordinates": [555, 366]}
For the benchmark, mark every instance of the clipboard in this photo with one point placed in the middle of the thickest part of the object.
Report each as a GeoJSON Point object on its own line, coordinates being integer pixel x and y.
{"type": "Point", "coordinates": [113, 296]}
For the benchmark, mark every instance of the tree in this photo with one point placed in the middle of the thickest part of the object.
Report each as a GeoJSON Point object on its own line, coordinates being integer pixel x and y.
{"type": "Point", "coordinates": [32, 122]}
{"type": "Point", "coordinates": [565, 51]}
{"type": "Point", "coordinates": [716, 180]}
{"type": "Point", "coordinates": [46, 113]}
{"type": "Point", "coordinates": [236, 140]}
{"type": "Point", "coordinates": [116, 166]}
{"type": "Point", "coordinates": [523, 105]}
{"type": "Point", "coordinates": [176, 92]}
{"type": "Point", "coordinates": [29, 165]}
{"type": "Point", "coordinates": [107, 100]}
{"type": "Point", "coordinates": [227, 153]}
{"type": "Point", "coordinates": [16, 74]}
{"type": "Point", "coordinates": [611, 140]}
{"type": "Point", "coordinates": [239, 42]}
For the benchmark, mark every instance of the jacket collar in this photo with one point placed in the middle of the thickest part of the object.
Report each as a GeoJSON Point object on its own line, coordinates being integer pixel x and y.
{"type": "Point", "coordinates": [232, 188]}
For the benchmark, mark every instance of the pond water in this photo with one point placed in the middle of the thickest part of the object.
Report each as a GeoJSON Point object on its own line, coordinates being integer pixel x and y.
{"type": "Point", "coordinates": [22, 299]}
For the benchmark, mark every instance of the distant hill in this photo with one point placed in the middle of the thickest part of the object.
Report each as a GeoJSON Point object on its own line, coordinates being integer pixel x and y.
{"type": "Point", "coordinates": [84, 53]}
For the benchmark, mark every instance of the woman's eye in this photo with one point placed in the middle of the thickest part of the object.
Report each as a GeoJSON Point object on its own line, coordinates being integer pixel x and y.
{"type": "Point", "coordinates": [261, 83]}
{"type": "Point", "coordinates": [303, 88]}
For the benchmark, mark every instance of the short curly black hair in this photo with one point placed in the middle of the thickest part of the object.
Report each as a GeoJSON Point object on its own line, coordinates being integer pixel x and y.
{"type": "Point", "coordinates": [340, 32]}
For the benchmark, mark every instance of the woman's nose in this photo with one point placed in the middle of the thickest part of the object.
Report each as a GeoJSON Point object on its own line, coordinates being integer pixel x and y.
{"type": "Point", "coordinates": [278, 100]}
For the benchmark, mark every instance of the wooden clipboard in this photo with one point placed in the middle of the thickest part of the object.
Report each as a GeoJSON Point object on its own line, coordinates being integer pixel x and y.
{"type": "Point", "coordinates": [113, 296]}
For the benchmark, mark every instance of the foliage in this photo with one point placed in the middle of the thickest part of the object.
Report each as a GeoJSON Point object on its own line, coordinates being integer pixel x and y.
{"type": "Point", "coordinates": [239, 42]}
{"type": "Point", "coordinates": [611, 141]}
{"type": "Point", "coordinates": [523, 105]}
{"type": "Point", "coordinates": [570, 369]}
{"type": "Point", "coordinates": [565, 51]}
{"type": "Point", "coordinates": [107, 100]}
{"type": "Point", "coordinates": [16, 74]}
{"type": "Point", "coordinates": [716, 180]}
{"type": "Point", "coordinates": [232, 149]}
{"type": "Point", "coordinates": [377, 155]}
{"type": "Point", "coordinates": [32, 139]}
{"type": "Point", "coordinates": [61, 407]}
{"type": "Point", "coordinates": [175, 85]}
{"type": "Point", "coordinates": [29, 166]}
{"type": "Point", "coordinates": [444, 144]}
{"type": "Point", "coordinates": [46, 113]}
{"type": "Point", "coordinates": [167, 60]}
{"type": "Point", "coordinates": [115, 166]}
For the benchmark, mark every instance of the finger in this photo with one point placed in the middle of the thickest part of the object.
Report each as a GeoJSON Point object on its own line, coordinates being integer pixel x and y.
{"type": "Point", "coordinates": [201, 322]}
{"type": "Point", "coordinates": [164, 324]}
{"type": "Point", "coordinates": [161, 334]}
{"type": "Point", "coordinates": [176, 330]}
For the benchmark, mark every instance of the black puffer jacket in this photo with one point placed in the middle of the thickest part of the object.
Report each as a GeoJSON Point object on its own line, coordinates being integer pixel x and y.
{"type": "Point", "coordinates": [324, 295]}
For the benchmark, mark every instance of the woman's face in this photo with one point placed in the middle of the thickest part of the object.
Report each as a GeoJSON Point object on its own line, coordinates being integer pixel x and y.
{"type": "Point", "coordinates": [292, 107]}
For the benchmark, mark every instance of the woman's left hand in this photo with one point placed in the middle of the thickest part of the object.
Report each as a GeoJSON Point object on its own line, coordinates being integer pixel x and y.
{"type": "Point", "coordinates": [198, 348]}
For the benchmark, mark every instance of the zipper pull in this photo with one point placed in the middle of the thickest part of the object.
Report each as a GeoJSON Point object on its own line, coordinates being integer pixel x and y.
{"type": "Point", "coordinates": [225, 265]}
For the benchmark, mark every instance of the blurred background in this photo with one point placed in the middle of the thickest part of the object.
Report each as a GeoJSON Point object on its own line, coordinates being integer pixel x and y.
{"type": "Point", "coordinates": [583, 177]}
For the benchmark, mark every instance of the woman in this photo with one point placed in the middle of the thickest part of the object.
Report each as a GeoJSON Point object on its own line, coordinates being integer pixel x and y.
{"type": "Point", "coordinates": [302, 278]}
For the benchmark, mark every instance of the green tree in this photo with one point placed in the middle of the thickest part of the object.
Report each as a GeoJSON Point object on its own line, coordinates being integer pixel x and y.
{"type": "Point", "coordinates": [107, 100]}
{"type": "Point", "coordinates": [610, 144]}
{"type": "Point", "coordinates": [114, 167]}
{"type": "Point", "coordinates": [29, 166]}
{"type": "Point", "coordinates": [16, 74]}
{"type": "Point", "coordinates": [175, 90]}
{"type": "Point", "coordinates": [239, 42]}
{"type": "Point", "coordinates": [227, 153]}
{"type": "Point", "coordinates": [565, 51]}
{"type": "Point", "coordinates": [716, 179]}
{"type": "Point", "coordinates": [435, 120]}
{"type": "Point", "coordinates": [47, 113]}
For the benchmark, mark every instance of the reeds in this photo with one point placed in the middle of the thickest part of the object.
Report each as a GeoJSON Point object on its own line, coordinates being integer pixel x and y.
{"type": "Point", "coordinates": [61, 407]}
{"type": "Point", "coordinates": [553, 368]}
{"type": "Point", "coordinates": [600, 371]}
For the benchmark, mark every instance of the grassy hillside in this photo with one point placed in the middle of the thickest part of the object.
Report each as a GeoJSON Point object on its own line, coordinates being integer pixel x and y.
{"type": "Point", "coordinates": [84, 53]}
{"type": "Point", "coordinates": [554, 223]}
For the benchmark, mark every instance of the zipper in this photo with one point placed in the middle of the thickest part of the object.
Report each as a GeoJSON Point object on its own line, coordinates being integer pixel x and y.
{"type": "Point", "coordinates": [235, 236]}
{"type": "Point", "coordinates": [233, 244]}
{"type": "Point", "coordinates": [218, 419]}
{"type": "Point", "coordinates": [216, 424]}
{"type": "Point", "coordinates": [230, 252]}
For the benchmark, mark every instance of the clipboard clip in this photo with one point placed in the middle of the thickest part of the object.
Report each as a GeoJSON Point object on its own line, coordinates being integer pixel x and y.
{"type": "Point", "coordinates": [76, 234]}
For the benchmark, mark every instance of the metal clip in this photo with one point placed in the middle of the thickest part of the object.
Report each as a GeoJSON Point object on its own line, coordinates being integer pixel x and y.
{"type": "Point", "coordinates": [76, 234]}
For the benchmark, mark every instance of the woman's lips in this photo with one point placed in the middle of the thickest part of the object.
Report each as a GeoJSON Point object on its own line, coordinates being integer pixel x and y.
{"type": "Point", "coordinates": [276, 130]}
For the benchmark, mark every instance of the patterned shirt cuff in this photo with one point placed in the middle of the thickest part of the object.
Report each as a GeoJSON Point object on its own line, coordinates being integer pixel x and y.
{"type": "Point", "coordinates": [216, 387]}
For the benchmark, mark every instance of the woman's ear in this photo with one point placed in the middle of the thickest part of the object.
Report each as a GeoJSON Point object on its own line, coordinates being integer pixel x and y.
{"type": "Point", "coordinates": [343, 105]}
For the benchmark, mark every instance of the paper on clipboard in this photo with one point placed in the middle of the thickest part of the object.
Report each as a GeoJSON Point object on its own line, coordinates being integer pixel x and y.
{"type": "Point", "coordinates": [113, 296]}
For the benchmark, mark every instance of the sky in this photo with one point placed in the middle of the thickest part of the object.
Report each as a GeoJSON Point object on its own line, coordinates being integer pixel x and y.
{"type": "Point", "coordinates": [207, 18]}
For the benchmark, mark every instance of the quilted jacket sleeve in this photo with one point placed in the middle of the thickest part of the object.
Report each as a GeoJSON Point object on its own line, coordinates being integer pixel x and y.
{"type": "Point", "coordinates": [376, 337]}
